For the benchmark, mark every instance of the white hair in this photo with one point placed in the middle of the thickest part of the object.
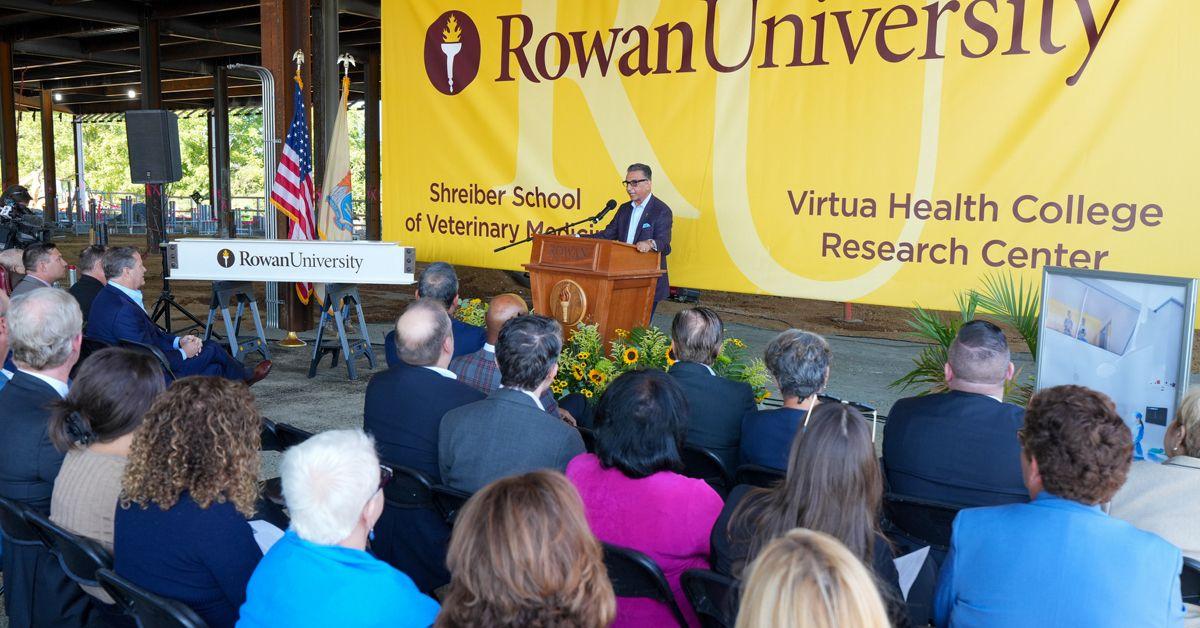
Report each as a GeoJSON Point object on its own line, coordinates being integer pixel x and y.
{"type": "Point", "coordinates": [327, 481]}
{"type": "Point", "coordinates": [42, 325]}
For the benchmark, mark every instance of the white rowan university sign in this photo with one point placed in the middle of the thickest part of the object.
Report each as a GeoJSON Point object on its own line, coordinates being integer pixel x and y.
{"type": "Point", "coordinates": [291, 261]}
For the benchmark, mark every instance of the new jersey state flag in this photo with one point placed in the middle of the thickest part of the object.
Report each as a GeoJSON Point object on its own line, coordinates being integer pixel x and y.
{"type": "Point", "coordinates": [335, 211]}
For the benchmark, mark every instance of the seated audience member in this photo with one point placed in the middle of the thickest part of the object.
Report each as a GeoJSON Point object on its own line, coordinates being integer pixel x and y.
{"type": "Point", "coordinates": [5, 373]}
{"type": "Point", "coordinates": [799, 361]}
{"type": "Point", "coordinates": [807, 579]}
{"type": "Point", "coordinates": [440, 283]}
{"type": "Point", "coordinates": [12, 260]}
{"type": "Point", "coordinates": [833, 485]}
{"type": "Point", "coordinates": [717, 404]}
{"type": "Point", "coordinates": [44, 265]}
{"type": "Point", "coordinates": [44, 330]}
{"type": "Point", "coordinates": [522, 555]}
{"type": "Point", "coordinates": [1059, 560]}
{"type": "Point", "coordinates": [632, 493]}
{"type": "Point", "coordinates": [190, 485]}
{"type": "Point", "coordinates": [320, 573]}
{"type": "Point", "coordinates": [480, 371]}
{"type": "Point", "coordinates": [119, 314]}
{"type": "Point", "coordinates": [95, 426]}
{"type": "Point", "coordinates": [91, 277]}
{"type": "Point", "coordinates": [960, 447]}
{"type": "Point", "coordinates": [510, 432]}
{"type": "Point", "coordinates": [1165, 498]}
{"type": "Point", "coordinates": [403, 411]}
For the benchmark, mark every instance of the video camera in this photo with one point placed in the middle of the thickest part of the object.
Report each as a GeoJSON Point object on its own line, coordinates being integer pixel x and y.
{"type": "Point", "coordinates": [20, 226]}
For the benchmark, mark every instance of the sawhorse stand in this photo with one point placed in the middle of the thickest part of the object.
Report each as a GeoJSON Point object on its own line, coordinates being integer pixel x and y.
{"type": "Point", "coordinates": [340, 297]}
{"type": "Point", "coordinates": [224, 295]}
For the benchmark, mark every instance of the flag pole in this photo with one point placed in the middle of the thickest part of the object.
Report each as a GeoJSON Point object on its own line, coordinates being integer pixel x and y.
{"type": "Point", "coordinates": [292, 340]}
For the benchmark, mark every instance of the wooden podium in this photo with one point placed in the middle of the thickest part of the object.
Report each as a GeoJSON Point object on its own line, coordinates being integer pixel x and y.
{"type": "Point", "coordinates": [581, 280]}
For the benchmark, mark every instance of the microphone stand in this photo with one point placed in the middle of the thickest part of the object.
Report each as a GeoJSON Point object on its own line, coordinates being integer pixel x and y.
{"type": "Point", "coordinates": [592, 219]}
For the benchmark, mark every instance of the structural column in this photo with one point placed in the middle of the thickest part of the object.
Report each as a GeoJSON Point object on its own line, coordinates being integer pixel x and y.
{"type": "Point", "coordinates": [371, 133]}
{"type": "Point", "coordinates": [8, 119]}
{"type": "Point", "coordinates": [285, 29]}
{"type": "Point", "coordinates": [325, 82]}
{"type": "Point", "coordinates": [222, 189]}
{"type": "Point", "coordinates": [49, 169]}
{"type": "Point", "coordinates": [81, 199]}
{"type": "Point", "coordinates": [151, 86]}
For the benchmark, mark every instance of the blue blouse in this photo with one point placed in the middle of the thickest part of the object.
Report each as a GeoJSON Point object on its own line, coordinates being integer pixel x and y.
{"type": "Point", "coordinates": [299, 583]}
{"type": "Point", "coordinates": [767, 436]}
{"type": "Point", "coordinates": [202, 557]}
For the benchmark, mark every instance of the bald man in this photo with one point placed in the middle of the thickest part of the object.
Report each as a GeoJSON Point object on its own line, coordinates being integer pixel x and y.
{"type": "Point", "coordinates": [403, 411]}
{"type": "Point", "coordinates": [479, 369]}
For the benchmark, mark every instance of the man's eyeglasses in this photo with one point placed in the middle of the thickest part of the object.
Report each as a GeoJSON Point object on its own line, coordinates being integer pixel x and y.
{"type": "Point", "coordinates": [634, 182]}
{"type": "Point", "coordinates": [385, 476]}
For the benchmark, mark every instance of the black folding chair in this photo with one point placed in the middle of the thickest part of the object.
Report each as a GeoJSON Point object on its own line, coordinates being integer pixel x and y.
{"type": "Point", "coordinates": [147, 609]}
{"type": "Point", "coordinates": [713, 597]}
{"type": "Point", "coordinates": [634, 574]}
{"type": "Point", "coordinates": [409, 488]}
{"type": "Point", "coordinates": [589, 438]}
{"type": "Point", "coordinates": [289, 435]}
{"type": "Point", "coordinates": [449, 501]}
{"type": "Point", "coordinates": [80, 557]}
{"type": "Point", "coordinates": [757, 475]}
{"type": "Point", "coordinates": [927, 522]}
{"type": "Point", "coordinates": [269, 441]}
{"type": "Point", "coordinates": [15, 527]}
{"type": "Point", "coordinates": [1189, 580]}
{"type": "Point", "coordinates": [703, 464]}
{"type": "Point", "coordinates": [154, 351]}
{"type": "Point", "coordinates": [86, 349]}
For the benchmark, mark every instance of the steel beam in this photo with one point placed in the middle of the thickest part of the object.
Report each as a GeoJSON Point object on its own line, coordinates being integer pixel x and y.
{"type": "Point", "coordinates": [9, 175]}
{"type": "Point", "coordinates": [222, 189]}
{"type": "Point", "coordinates": [371, 135]}
{"type": "Point", "coordinates": [49, 169]}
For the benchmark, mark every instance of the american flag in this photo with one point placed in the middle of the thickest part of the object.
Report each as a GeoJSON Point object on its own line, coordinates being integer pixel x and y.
{"type": "Point", "coordinates": [292, 191]}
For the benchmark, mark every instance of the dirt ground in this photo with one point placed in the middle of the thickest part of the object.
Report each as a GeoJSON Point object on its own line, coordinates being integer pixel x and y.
{"type": "Point", "coordinates": [383, 303]}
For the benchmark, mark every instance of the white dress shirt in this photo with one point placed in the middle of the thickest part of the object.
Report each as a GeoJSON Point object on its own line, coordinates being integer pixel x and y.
{"type": "Point", "coordinates": [635, 220]}
{"type": "Point", "coordinates": [441, 371]}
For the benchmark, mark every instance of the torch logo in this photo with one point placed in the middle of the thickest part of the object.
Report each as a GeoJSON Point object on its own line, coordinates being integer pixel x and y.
{"type": "Point", "coordinates": [225, 258]}
{"type": "Point", "coordinates": [452, 52]}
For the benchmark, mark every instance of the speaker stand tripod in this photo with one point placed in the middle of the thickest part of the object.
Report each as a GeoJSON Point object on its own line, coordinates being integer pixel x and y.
{"type": "Point", "coordinates": [166, 300]}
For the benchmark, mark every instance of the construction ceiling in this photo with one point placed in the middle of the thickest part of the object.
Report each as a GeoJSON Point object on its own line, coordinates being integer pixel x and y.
{"type": "Point", "coordinates": [86, 51]}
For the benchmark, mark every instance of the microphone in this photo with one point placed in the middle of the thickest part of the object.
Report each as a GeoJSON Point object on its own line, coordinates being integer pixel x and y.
{"type": "Point", "coordinates": [607, 208]}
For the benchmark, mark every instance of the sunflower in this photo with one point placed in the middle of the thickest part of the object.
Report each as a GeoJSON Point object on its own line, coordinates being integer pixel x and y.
{"type": "Point", "coordinates": [587, 393]}
{"type": "Point", "coordinates": [577, 371]}
{"type": "Point", "coordinates": [631, 355]}
{"type": "Point", "coordinates": [583, 355]}
{"type": "Point", "coordinates": [621, 333]}
{"type": "Point", "coordinates": [670, 354]}
{"type": "Point", "coordinates": [596, 376]}
{"type": "Point", "coordinates": [764, 395]}
{"type": "Point", "coordinates": [738, 343]}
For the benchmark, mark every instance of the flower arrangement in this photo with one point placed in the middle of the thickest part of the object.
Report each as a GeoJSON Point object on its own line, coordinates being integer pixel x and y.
{"type": "Point", "coordinates": [586, 368]}
{"type": "Point", "coordinates": [471, 311]}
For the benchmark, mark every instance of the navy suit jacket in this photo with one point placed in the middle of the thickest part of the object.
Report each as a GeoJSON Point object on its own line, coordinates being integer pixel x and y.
{"type": "Point", "coordinates": [115, 317]}
{"type": "Point", "coordinates": [403, 410]}
{"type": "Point", "coordinates": [956, 447]}
{"type": "Point", "coordinates": [468, 338]}
{"type": "Point", "coordinates": [28, 460]}
{"type": "Point", "coordinates": [656, 225]}
{"type": "Point", "coordinates": [715, 409]}
{"type": "Point", "coordinates": [1056, 562]}
{"type": "Point", "coordinates": [767, 436]}
{"type": "Point", "coordinates": [85, 291]}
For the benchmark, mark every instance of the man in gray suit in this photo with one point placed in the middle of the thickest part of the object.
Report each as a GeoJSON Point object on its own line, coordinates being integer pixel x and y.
{"type": "Point", "coordinates": [510, 432]}
{"type": "Point", "coordinates": [44, 265]}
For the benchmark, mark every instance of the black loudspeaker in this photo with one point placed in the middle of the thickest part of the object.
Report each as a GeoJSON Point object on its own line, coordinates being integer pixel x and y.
{"type": "Point", "coordinates": [153, 137]}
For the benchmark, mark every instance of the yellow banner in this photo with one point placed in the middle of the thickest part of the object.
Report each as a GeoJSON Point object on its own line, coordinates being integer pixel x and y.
{"type": "Point", "coordinates": [878, 151]}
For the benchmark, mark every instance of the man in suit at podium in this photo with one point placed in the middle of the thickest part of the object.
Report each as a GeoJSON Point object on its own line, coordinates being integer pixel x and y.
{"type": "Point", "coordinates": [645, 222]}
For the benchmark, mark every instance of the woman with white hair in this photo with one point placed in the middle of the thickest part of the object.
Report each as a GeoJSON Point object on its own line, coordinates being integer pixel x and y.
{"type": "Point", "coordinates": [319, 573]}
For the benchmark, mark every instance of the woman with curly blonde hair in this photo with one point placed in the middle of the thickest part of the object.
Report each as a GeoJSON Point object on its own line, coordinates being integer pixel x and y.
{"type": "Point", "coordinates": [522, 555]}
{"type": "Point", "coordinates": [190, 485]}
{"type": "Point", "coordinates": [808, 579]}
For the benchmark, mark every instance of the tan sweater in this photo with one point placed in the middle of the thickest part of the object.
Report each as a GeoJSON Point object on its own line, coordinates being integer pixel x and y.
{"type": "Point", "coordinates": [85, 494]}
